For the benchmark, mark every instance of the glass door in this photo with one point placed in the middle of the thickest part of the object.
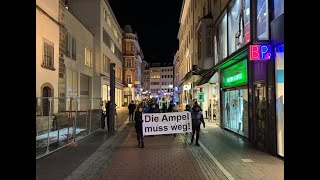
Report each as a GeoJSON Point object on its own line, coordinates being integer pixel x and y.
{"type": "Point", "coordinates": [260, 114]}
{"type": "Point", "coordinates": [235, 110]}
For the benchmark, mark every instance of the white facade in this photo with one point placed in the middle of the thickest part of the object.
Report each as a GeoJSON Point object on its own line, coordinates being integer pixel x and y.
{"type": "Point", "coordinates": [98, 17]}
{"type": "Point", "coordinates": [79, 68]}
{"type": "Point", "coordinates": [155, 86]}
{"type": "Point", "coordinates": [47, 49]}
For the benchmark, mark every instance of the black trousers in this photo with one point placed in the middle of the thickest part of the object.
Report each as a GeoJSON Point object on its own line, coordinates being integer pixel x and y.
{"type": "Point", "coordinates": [195, 129]}
{"type": "Point", "coordinates": [140, 136]}
{"type": "Point", "coordinates": [131, 116]}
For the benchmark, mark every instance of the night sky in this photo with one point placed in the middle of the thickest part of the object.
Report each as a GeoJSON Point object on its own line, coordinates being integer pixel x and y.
{"type": "Point", "coordinates": [156, 23]}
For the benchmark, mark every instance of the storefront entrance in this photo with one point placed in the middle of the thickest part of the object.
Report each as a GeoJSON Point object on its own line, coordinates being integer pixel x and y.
{"type": "Point", "coordinates": [235, 110]}
{"type": "Point", "coordinates": [234, 106]}
{"type": "Point", "coordinates": [260, 114]}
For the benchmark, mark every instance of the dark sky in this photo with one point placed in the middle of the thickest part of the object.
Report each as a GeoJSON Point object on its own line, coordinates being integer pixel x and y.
{"type": "Point", "coordinates": [156, 23]}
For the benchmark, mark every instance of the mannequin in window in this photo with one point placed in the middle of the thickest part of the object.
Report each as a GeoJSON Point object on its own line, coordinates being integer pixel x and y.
{"type": "Point", "coordinates": [228, 113]}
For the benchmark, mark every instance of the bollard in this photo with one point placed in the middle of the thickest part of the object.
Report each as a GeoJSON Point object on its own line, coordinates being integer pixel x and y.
{"type": "Point", "coordinates": [87, 119]}
{"type": "Point", "coordinates": [90, 117]}
{"type": "Point", "coordinates": [48, 139]}
{"type": "Point", "coordinates": [75, 121]}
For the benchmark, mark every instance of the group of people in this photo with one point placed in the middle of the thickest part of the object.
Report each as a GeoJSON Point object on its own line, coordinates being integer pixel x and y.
{"type": "Point", "coordinates": [151, 106]}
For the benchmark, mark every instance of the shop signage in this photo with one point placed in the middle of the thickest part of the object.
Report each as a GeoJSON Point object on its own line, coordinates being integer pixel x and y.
{"type": "Point", "coordinates": [260, 52]}
{"type": "Point", "coordinates": [187, 87]}
{"type": "Point", "coordinates": [235, 75]}
{"type": "Point", "coordinates": [200, 96]}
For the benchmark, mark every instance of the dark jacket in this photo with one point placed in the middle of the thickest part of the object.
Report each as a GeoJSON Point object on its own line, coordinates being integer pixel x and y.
{"type": "Point", "coordinates": [170, 109]}
{"type": "Point", "coordinates": [138, 120]}
{"type": "Point", "coordinates": [197, 118]}
{"type": "Point", "coordinates": [153, 110]}
{"type": "Point", "coordinates": [132, 107]}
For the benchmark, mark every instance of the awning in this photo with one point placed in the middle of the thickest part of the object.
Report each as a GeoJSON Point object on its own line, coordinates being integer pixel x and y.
{"type": "Point", "coordinates": [206, 77]}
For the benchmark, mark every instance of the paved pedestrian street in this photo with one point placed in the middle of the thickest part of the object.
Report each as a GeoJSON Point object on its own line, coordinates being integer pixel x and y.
{"type": "Point", "coordinates": [221, 155]}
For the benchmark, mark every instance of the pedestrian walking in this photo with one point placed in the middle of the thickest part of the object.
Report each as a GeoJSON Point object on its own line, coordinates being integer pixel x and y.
{"type": "Point", "coordinates": [197, 119]}
{"type": "Point", "coordinates": [138, 126]}
{"type": "Point", "coordinates": [132, 108]}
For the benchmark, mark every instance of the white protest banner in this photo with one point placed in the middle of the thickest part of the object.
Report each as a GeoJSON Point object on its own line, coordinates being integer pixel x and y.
{"type": "Point", "coordinates": [166, 123]}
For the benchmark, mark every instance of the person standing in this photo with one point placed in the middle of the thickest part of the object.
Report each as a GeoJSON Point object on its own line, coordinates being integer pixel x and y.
{"type": "Point", "coordinates": [131, 107]}
{"type": "Point", "coordinates": [138, 126]}
{"type": "Point", "coordinates": [197, 119]}
{"type": "Point", "coordinates": [108, 113]}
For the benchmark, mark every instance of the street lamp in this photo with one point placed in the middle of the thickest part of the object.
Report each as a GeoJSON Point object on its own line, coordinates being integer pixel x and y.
{"type": "Point", "coordinates": [130, 85]}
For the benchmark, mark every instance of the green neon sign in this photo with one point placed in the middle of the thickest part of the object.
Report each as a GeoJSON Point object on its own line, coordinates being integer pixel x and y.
{"type": "Point", "coordinates": [235, 75]}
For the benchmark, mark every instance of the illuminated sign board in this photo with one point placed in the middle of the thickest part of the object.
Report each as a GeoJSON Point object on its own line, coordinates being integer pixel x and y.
{"type": "Point", "coordinates": [200, 96]}
{"type": "Point", "coordinates": [187, 87]}
{"type": "Point", "coordinates": [260, 52]}
{"type": "Point", "coordinates": [235, 75]}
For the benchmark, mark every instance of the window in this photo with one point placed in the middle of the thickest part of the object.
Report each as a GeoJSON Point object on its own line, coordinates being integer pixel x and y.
{"type": "Point", "coordinates": [109, 21]}
{"type": "Point", "coordinates": [278, 8]}
{"type": "Point", "coordinates": [48, 55]}
{"type": "Point", "coordinates": [221, 38]}
{"type": "Point", "coordinates": [112, 46]}
{"type": "Point", "coordinates": [88, 57]}
{"type": "Point", "coordinates": [128, 78]}
{"type": "Point", "coordinates": [128, 63]}
{"type": "Point", "coordinates": [105, 63]}
{"type": "Point", "coordinates": [132, 48]}
{"type": "Point", "coordinates": [209, 42]}
{"type": "Point", "coordinates": [118, 73]}
{"type": "Point", "coordinates": [84, 84]}
{"type": "Point", "coordinates": [161, 70]}
{"type": "Point", "coordinates": [72, 82]}
{"type": "Point", "coordinates": [73, 48]}
{"type": "Point", "coordinates": [105, 15]}
{"type": "Point", "coordinates": [106, 38]}
{"type": "Point", "coordinates": [262, 20]}
{"type": "Point", "coordinates": [238, 24]}
{"type": "Point", "coordinates": [67, 45]}
{"type": "Point", "coordinates": [199, 45]}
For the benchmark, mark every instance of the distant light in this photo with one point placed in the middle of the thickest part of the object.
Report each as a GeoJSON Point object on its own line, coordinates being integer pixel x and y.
{"type": "Point", "coordinates": [247, 11]}
{"type": "Point", "coordinates": [67, 7]}
{"type": "Point", "coordinates": [265, 14]}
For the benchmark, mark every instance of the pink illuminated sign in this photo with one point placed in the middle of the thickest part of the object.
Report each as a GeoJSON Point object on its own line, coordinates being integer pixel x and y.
{"type": "Point", "coordinates": [260, 52]}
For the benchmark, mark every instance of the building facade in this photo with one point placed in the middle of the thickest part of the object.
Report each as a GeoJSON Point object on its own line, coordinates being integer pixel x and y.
{"type": "Point", "coordinates": [146, 80]}
{"type": "Point", "coordinates": [248, 68]}
{"type": "Point", "coordinates": [47, 54]}
{"type": "Point", "coordinates": [195, 48]}
{"type": "Point", "coordinates": [176, 63]}
{"type": "Point", "coordinates": [98, 16]}
{"type": "Point", "coordinates": [78, 58]}
{"type": "Point", "coordinates": [132, 63]}
{"type": "Point", "coordinates": [161, 80]}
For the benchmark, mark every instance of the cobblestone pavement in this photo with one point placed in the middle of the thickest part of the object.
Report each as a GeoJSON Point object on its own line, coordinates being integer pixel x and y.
{"type": "Point", "coordinates": [239, 157]}
{"type": "Point", "coordinates": [163, 157]}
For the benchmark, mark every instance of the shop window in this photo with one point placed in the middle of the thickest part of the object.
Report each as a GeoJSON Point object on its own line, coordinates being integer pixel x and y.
{"type": "Point", "coordinates": [262, 20]}
{"type": "Point", "coordinates": [238, 24]}
{"type": "Point", "coordinates": [278, 8]}
{"type": "Point", "coordinates": [235, 111]}
{"type": "Point", "coordinates": [84, 85]}
{"type": "Point", "coordinates": [221, 38]}
{"type": "Point", "coordinates": [279, 66]}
